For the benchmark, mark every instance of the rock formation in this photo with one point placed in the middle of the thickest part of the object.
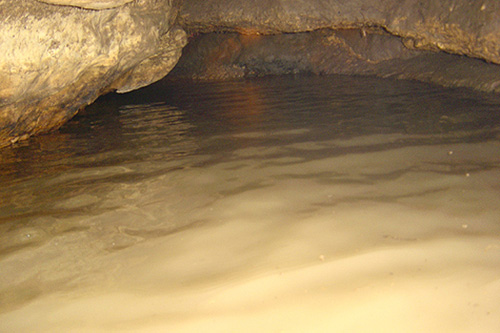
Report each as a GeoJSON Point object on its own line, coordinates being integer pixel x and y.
{"type": "Point", "coordinates": [217, 56]}
{"type": "Point", "coordinates": [60, 55]}
{"type": "Point", "coordinates": [58, 59]}
{"type": "Point", "coordinates": [470, 28]}
{"type": "Point", "coordinates": [452, 43]}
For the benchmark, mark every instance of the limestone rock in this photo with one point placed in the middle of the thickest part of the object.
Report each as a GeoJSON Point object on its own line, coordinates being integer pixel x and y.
{"type": "Point", "coordinates": [89, 4]}
{"type": "Point", "coordinates": [60, 55]}
{"type": "Point", "coordinates": [219, 56]}
{"type": "Point", "coordinates": [463, 27]}
{"type": "Point", "coordinates": [58, 59]}
{"type": "Point", "coordinates": [434, 41]}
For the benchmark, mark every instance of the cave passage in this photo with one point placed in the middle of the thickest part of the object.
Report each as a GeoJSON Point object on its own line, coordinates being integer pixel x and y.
{"type": "Point", "coordinates": [295, 203]}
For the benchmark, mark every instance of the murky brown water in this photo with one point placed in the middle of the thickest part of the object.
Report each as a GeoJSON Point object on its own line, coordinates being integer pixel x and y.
{"type": "Point", "coordinates": [293, 204]}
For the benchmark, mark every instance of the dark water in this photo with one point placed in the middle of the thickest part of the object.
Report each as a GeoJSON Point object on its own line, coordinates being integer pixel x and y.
{"type": "Point", "coordinates": [251, 204]}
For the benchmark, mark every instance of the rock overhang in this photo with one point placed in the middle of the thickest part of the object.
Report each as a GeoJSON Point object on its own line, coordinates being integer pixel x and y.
{"type": "Point", "coordinates": [57, 58]}
{"type": "Point", "coordinates": [451, 42]}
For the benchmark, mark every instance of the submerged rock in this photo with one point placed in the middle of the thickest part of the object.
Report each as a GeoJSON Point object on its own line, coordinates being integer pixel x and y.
{"type": "Point", "coordinates": [58, 59]}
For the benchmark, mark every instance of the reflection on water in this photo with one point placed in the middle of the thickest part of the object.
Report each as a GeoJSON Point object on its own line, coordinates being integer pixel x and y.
{"type": "Point", "coordinates": [277, 204]}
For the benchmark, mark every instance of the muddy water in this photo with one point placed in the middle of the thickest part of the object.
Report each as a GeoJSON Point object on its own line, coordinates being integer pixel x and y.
{"type": "Point", "coordinates": [293, 204]}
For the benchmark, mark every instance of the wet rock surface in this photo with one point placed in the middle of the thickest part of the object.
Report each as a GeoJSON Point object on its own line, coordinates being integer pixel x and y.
{"type": "Point", "coordinates": [218, 56]}
{"type": "Point", "coordinates": [453, 43]}
{"type": "Point", "coordinates": [58, 59]}
{"type": "Point", "coordinates": [60, 55]}
{"type": "Point", "coordinates": [469, 28]}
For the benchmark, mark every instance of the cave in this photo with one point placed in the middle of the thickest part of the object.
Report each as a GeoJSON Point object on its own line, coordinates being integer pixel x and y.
{"type": "Point", "coordinates": [61, 55]}
{"type": "Point", "coordinates": [236, 166]}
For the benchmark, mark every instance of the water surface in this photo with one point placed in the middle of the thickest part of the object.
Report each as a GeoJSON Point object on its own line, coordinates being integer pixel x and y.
{"type": "Point", "coordinates": [287, 204]}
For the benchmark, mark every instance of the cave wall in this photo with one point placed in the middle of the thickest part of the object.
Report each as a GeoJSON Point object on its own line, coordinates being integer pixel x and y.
{"type": "Point", "coordinates": [222, 56]}
{"type": "Point", "coordinates": [60, 55]}
{"type": "Point", "coordinates": [57, 59]}
{"type": "Point", "coordinates": [453, 43]}
{"type": "Point", "coordinates": [463, 27]}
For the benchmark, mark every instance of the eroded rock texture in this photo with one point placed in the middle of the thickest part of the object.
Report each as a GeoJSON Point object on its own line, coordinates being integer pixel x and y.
{"type": "Point", "coordinates": [219, 56]}
{"type": "Point", "coordinates": [452, 42]}
{"type": "Point", "coordinates": [60, 55]}
{"type": "Point", "coordinates": [463, 27]}
{"type": "Point", "coordinates": [57, 59]}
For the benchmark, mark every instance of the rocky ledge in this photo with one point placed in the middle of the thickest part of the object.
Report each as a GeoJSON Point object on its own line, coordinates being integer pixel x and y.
{"type": "Point", "coordinates": [60, 55]}
{"type": "Point", "coordinates": [453, 43]}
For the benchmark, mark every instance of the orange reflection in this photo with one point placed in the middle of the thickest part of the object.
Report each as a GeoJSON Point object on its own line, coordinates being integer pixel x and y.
{"type": "Point", "coordinates": [250, 106]}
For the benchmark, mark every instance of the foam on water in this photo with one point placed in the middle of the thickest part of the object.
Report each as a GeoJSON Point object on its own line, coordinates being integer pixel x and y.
{"type": "Point", "coordinates": [290, 204]}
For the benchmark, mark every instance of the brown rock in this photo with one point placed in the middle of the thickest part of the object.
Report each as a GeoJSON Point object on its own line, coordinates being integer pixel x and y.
{"type": "Point", "coordinates": [60, 55]}
{"type": "Point", "coordinates": [219, 56]}
{"type": "Point", "coordinates": [437, 42]}
{"type": "Point", "coordinates": [462, 27]}
{"type": "Point", "coordinates": [57, 59]}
